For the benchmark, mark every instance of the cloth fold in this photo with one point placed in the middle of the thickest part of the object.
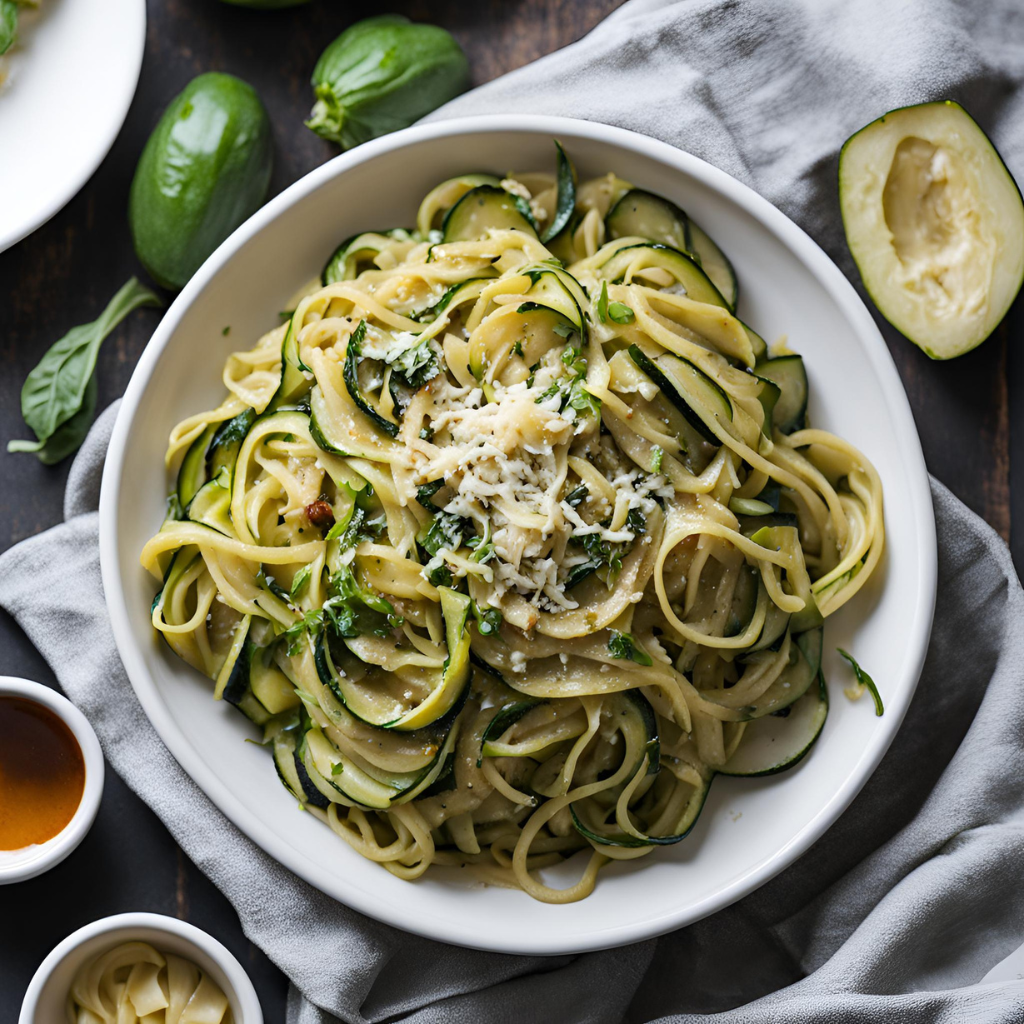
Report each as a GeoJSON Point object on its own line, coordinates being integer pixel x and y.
{"type": "Point", "coordinates": [915, 893]}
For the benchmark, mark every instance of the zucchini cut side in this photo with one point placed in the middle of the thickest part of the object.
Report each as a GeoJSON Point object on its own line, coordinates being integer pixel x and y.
{"type": "Point", "coordinates": [935, 223]}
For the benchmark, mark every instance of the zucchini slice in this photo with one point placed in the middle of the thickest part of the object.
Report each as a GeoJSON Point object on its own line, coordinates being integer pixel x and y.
{"type": "Point", "coordinates": [294, 382]}
{"type": "Point", "coordinates": [565, 203]}
{"type": "Point", "coordinates": [689, 389]}
{"type": "Point", "coordinates": [640, 214]}
{"type": "Point", "coordinates": [384, 707]}
{"type": "Point", "coordinates": [357, 251]}
{"type": "Point", "coordinates": [483, 208]}
{"type": "Point", "coordinates": [633, 259]}
{"type": "Point", "coordinates": [224, 445]}
{"type": "Point", "coordinates": [715, 264]}
{"type": "Point", "coordinates": [790, 407]}
{"type": "Point", "coordinates": [440, 199]}
{"type": "Point", "coordinates": [776, 743]}
{"type": "Point", "coordinates": [193, 473]}
{"type": "Point", "coordinates": [353, 355]}
{"type": "Point", "coordinates": [935, 224]}
{"type": "Point", "coordinates": [212, 504]}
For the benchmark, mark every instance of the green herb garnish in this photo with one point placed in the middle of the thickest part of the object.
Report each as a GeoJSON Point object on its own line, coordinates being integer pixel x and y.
{"type": "Point", "coordinates": [58, 398]}
{"type": "Point", "coordinates": [623, 646]}
{"type": "Point", "coordinates": [864, 680]}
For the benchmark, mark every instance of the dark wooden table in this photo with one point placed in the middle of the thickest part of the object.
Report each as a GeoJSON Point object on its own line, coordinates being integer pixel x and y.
{"type": "Point", "coordinates": [970, 413]}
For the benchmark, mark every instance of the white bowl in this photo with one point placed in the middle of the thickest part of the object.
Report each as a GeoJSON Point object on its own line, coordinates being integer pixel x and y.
{"type": "Point", "coordinates": [47, 993]}
{"type": "Point", "coordinates": [70, 80]}
{"type": "Point", "coordinates": [17, 865]}
{"type": "Point", "coordinates": [751, 829]}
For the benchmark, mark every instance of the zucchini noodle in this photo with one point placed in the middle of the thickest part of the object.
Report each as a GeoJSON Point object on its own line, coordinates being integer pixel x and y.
{"type": "Point", "coordinates": [513, 536]}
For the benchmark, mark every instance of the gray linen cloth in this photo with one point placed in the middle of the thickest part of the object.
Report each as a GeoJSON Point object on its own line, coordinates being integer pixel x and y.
{"type": "Point", "coordinates": [916, 892]}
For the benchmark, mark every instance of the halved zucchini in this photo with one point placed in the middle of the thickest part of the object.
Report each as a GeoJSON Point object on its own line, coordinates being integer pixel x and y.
{"type": "Point", "coordinates": [212, 504]}
{"type": "Point", "coordinates": [193, 472]}
{"type": "Point", "coordinates": [483, 208]}
{"type": "Point", "coordinates": [226, 441]}
{"type": "Point", "coordinates": [935, 224]}
{"type": "Point", "coordinates": [356, 390]}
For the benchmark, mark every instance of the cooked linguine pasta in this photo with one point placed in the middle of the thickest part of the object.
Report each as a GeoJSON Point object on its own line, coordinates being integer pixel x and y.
{"type": "Point", "coordinates": [513, 536]}
{"type": "Point", "coordinates": [134, 982]}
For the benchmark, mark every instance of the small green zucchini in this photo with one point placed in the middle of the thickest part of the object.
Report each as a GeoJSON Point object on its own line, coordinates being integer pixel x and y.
{"type": "Point", "coordinates": [205, 169]}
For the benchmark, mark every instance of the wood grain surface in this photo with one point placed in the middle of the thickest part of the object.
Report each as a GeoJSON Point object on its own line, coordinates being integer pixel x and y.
{"type": "Point", "coordinates": [970, 413]}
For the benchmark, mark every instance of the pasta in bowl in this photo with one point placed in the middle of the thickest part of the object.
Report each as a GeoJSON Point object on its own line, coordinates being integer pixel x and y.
{"type": "Point", "coordinates": [512, 536]}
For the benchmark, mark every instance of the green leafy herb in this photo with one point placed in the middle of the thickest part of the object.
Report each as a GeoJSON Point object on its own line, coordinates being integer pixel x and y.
{"type": "Point", "coordinates": [488, 620]}
{"type": "Point", "coordinates": [483, 547]}
{"type": "Point", "coordinates": [226, 331]}
{"type": "Point", "coordinates": [635, 520]}
{"type": "Point", "coordinates": [577, 496]}
{"type": "Point", "coordinates": [656, 458]}
{"type": "Point", "coordinates": [602, 303]}
{"type": "Point", "coordinates": [8, 24]}
{"type": "Point", "coordinates": [272, 585]}
{"type": "Point", "coordinates": [517, 349]}
{"type": "Point", "coordinates": [59, 396]}
{"type": "Point", "coordinates": [623, 646]}
{"type": "Point", "coordinates": [427, 434]}
{"type": "Point", "coordinates": [440, 576]}
{"type": "Point", "coordinates": [309, 625]}
{"type": "Point", "coordinates": [864, 680]}
{"type": "Point", "coordinates": [337, 768]}
{"type": "Point", "coordinates": [416, 365]}
{"type": "Point", "coordinates": [427, 491]}
{"type": "Point", "coordinates": [571, 386]}
{"type": "Point", "coordinates": [354, 528]}
{"type": "Point", "coordinates": [300, 580]}
{"type": "Point", "coordinates": [620, 313]}
{"type": "Point", "coordinates": [445, 531]}
{"type": "Point", "coordinates": [355, 610]}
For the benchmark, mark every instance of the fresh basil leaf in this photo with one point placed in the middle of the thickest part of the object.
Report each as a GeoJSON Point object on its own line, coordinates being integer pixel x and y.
{"type": "Point", "coordinates": [623, 646]}
{"type": "Point", "coordinates": [866, 681]}
{"type": "Point", "coordinates": [55, 391]}
{"type": "Point", "coordinates": [8, 24]}
{"type": "Point", "coordinates": [620, 313]}
{"type": "Point", "coordinates": [302, 577]}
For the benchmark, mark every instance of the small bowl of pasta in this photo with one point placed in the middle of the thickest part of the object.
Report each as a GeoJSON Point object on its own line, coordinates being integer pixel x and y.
{"type": "Point", "coordinates": [133, 967]}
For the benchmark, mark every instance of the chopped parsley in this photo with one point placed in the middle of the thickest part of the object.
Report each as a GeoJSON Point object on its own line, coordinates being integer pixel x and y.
{"type": "Point", "coordinates": [300, 580]}
{"type": "Point", "coordinates": [488, 620]}
{"type": "Point", "coordinates": [577, 496]}
{"type": "Point", "coordinates": [445, 531]}
{"type": "Point", "coordinates": [623, 646]}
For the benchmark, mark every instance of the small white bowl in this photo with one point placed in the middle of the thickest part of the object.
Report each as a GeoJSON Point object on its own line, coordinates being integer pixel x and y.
{"type": "Point", "coordinates": [46, 999]}
{"type": "Point", "coordinates": [18, 865]}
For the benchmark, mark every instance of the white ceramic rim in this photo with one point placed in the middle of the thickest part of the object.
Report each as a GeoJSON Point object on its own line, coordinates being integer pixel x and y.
{"type": "Point", "coordinates": [241, 985]}
{"type": "Point", "coordinates": [828, 276]}
{"type": "Point", "coordinates": [54, 850]}
{"type": "Point", "coordinates": [102, 147]}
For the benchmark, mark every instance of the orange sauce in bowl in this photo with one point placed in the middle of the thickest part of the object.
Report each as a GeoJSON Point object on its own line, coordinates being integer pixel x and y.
{"type": "Point", "coordinates": [42, 773]}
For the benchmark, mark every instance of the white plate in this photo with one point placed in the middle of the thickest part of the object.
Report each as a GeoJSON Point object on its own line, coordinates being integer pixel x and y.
{"type": "Point", "coordinates": [70, 80]}
{"type": "Point", "coordinates": [750, 829]}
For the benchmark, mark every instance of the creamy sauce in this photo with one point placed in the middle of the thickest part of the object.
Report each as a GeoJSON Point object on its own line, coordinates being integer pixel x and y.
{"type": "Point", "coordinates": [42, 774]}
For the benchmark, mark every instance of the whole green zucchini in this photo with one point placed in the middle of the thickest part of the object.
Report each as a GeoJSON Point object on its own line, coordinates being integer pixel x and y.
{"type": "Point", "coordinates": [205, 169]}
{"type": "Point", "coordinates": [382, 74]}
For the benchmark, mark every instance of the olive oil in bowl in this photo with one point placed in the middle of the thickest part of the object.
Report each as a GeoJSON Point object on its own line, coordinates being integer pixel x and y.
{"type": "Point", "coordinates": [42, 773]}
